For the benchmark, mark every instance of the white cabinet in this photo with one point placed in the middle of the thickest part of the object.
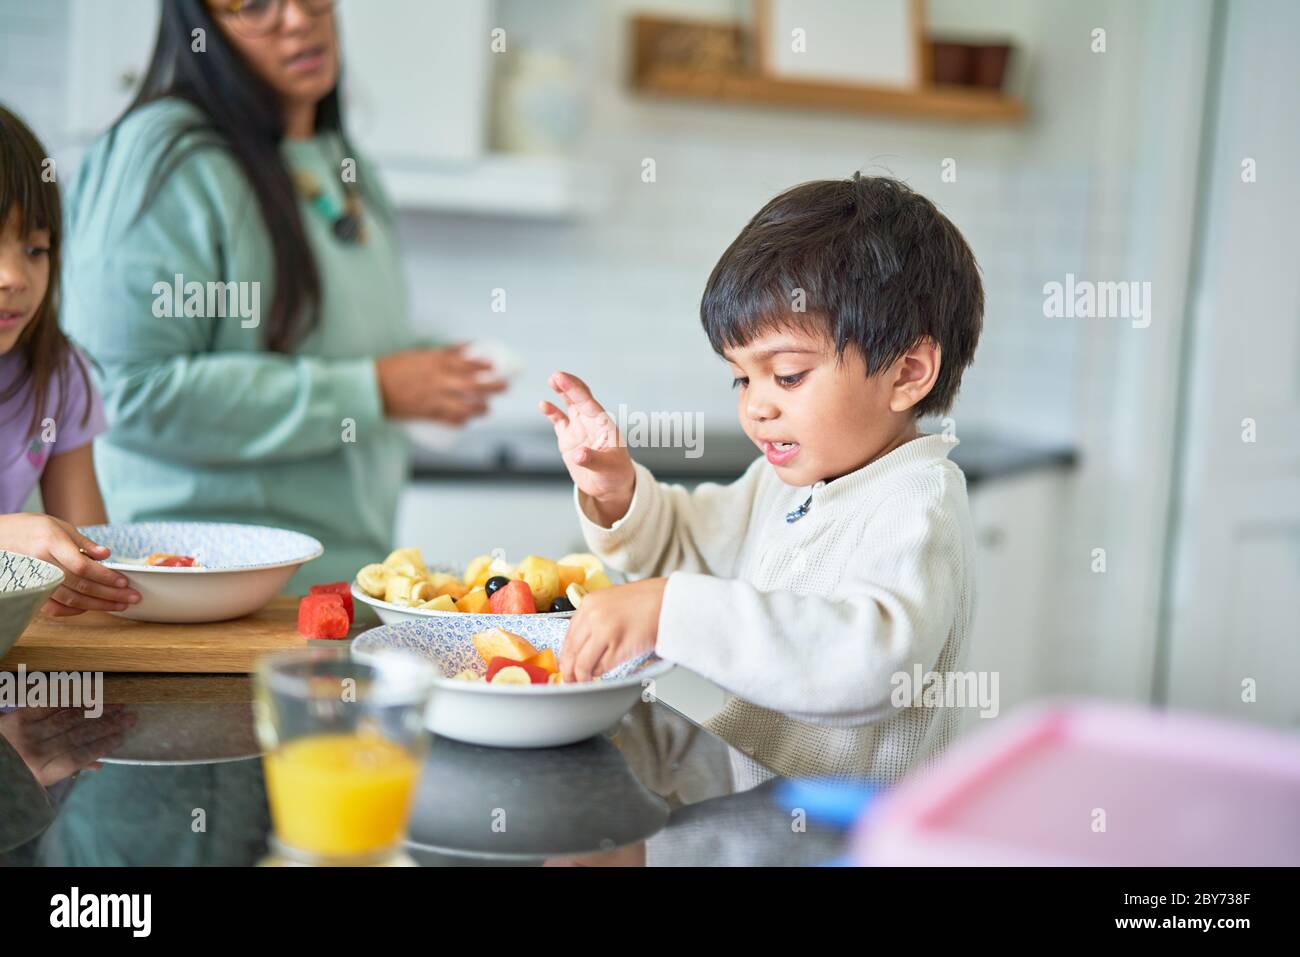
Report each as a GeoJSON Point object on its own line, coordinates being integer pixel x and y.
{"type": "Point", "coordinates": [109, 47]}
{"type": "Point", "coordinates": [454, 520]}
{"type": "Point", "coordinates": [1016, 550]}
{"type": "Point", "coordinates": [416, 80]}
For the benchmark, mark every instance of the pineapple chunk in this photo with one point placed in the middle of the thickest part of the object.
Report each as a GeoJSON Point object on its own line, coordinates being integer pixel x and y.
{"type": "Point", "coordinates": [543, 579]}
{"type": "Point", "coordinates": [441, 603]}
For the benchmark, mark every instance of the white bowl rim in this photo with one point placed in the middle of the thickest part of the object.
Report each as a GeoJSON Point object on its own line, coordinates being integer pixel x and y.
{"type": "Point", "coordinates": [360, 595]}
{"type": "Point", "coordinates": [655, 669]}
{"type": "Point", "coordinates": [317, 551]}
{"type": "Point", "coordinates": [33, 589]}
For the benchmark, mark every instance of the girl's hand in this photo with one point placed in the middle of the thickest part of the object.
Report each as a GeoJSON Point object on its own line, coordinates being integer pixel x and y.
{"type": "Point", "coordinates": [56, 743]}
{"type": "Point", "coordinates": [86, 584]}
{"type": "Point", "coordinates": [589, 443]}
{"type": "Point", "coordinates": [612, 626]}
{"type": "Point", "coordinates": [444, 385]}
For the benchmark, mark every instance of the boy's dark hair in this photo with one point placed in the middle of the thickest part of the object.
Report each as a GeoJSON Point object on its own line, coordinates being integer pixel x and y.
{"type": "Point", "coordinates": [879, 266]}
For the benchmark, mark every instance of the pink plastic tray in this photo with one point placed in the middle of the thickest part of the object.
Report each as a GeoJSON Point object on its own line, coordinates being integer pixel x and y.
{"type": "Point", "coordinates": [1076, 782]}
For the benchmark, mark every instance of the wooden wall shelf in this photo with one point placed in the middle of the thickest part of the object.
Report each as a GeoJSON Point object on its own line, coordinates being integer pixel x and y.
{"type": "Point", "coordinates": [936, 103]}
{"type": "Point", "coordinates": [734, 82]}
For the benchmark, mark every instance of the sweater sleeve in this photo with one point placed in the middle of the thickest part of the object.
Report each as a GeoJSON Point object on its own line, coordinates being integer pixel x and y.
{"type": "Point", "coordinates": [163, 386]}
{"type": "Point", "coordinates": [786, 651]}
{"type": "Point", "coordinates": [668, 527]}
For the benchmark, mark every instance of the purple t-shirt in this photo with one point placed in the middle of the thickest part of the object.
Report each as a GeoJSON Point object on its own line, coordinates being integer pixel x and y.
{"type": "Point", "coordinates": [23, 456]}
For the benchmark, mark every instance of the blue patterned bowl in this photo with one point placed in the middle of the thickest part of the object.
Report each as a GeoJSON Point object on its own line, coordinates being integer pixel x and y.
{"type": "Point", "coordinates": [25, 583]}
{"type": "Point", "coordinates": [511, 716]}
{"type": "Point", "coordinates": [241, 567]}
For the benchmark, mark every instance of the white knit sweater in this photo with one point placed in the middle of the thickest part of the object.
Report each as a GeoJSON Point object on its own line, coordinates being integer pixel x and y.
{"type": "Point", "coordinates": [805, 623]}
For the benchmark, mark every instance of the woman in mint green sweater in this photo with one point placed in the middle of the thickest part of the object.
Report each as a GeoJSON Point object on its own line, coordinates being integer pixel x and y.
{"type": "Point", "coordinates": [233, 270]}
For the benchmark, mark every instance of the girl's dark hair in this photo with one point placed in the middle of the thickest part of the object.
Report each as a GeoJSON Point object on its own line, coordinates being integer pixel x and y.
{"type": "Point", "coordinates": [878, 266]}
{"type": "Point", "coordinates": [241, 114]}
{"type": "Point", "coordinates": [48, 356]}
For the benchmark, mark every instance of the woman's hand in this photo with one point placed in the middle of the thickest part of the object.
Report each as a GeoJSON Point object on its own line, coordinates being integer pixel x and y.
{"type": "Point", "coordinates": [597, 461]}
{"type": "Point", "coordinates": [56, 743]}
{"type": "Point", "coordinates": [613, 625]}
{"type": "Point", "coordinates": [444, 385]}
{"type": "Point", "coordinates": [86, 584]}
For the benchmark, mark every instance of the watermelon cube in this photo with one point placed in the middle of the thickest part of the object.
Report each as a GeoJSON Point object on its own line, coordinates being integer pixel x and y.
{"type": "Point", "coordinates": [343, 590]}
{"type": "Point", "coordinates": [322, 616]}
{"type": "Point", "coordinates": [514, 598]}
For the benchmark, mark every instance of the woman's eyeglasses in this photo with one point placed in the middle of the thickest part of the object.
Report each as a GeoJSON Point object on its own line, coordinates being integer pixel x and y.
{"type": "Point", "coordinates": [261, 17]}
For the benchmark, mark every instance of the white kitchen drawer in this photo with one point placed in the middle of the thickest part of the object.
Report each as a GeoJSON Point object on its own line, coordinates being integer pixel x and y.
{"type": "Point", "coordinates": [454, 520]}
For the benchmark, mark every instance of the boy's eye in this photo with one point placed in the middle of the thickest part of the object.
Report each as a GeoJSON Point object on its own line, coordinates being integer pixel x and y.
{"type": "Point", "coordinates": [790, 381]}
{"type": "Point", "coordinates": [38, 250]}
{"type": "Point", "coordinates": [739, 381]}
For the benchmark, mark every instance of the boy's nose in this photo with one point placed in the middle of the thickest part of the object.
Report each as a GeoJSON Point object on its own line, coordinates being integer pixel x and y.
{"type": "Point", "coordinates": [761, 411]}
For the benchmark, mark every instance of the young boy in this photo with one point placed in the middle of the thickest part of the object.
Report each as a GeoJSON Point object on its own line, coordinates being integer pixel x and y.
{"type": "Point", "coordinates": [845, 309]}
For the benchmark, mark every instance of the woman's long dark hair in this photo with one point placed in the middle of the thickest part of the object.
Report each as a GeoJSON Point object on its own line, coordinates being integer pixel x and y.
{"type": "Point", "coordinates": [48, 357]}
{"type": "Point", "coordinates": [243, 115]}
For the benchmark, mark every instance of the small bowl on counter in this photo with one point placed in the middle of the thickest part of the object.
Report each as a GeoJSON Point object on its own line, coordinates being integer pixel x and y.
{"type": "Point", "coordinates": [236, 569]}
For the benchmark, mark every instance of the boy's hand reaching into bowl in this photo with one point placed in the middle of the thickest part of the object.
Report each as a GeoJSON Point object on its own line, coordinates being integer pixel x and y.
{"type": "Point", "coordinates": [597, 460]}
{"type": "Point", "coordinates": [612, 626]}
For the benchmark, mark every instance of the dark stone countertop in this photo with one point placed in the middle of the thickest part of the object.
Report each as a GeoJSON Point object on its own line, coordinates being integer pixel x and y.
{"type": "Point", "coordinates": [503, 455]}
{"type": "Point", "coordinates": [194, 747]}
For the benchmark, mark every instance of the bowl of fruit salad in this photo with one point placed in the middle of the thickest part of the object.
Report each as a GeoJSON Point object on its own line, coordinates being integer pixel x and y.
{"type": "Point", "coordinates": [202, 571]}
{"type": "Point", "coordinates": [501, 687]}
{"type": "Point", "coordinates": [403, 588]}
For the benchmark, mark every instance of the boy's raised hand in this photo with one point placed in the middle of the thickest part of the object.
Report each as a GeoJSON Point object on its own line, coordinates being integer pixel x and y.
{"type": "Point", "coordinates": [589, 443]}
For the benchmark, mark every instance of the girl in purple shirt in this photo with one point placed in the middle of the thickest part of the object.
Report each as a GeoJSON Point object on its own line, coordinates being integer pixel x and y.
{"type": "Point", "coordinates": [49, 411]}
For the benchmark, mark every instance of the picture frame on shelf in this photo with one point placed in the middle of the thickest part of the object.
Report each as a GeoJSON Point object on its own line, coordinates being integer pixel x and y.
{"type": "Point", "coordinates": [872, 43]}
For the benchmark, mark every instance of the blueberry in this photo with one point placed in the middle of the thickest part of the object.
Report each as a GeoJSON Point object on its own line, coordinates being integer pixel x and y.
{"type": "Point", "coordinates": [562, 604]}
{"type": "Point", "coordinates": [495, 582]}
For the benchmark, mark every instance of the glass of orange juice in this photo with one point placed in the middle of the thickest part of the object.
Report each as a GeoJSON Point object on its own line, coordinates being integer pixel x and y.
{"type": "Point", "coordinates": [343, 741]}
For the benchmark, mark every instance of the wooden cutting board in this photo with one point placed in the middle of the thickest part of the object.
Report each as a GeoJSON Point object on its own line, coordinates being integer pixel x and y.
{"type": "Point", "coordinates": [97, 641]}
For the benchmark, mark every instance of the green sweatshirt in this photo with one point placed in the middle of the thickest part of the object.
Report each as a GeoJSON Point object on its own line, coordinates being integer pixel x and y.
{"type": "Point", "coordinates": [205, 423]}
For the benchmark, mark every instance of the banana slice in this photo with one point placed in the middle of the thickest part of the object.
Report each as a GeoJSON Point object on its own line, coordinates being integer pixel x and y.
{"type": "Point", "coordinates": [405, 560]}
{"type": "Point", "coordinates": [398, 589]}
{"type": "Point", "coordinates": [575, 593]}
{"type": "Point", "coordinates": [467, 675]}
{"type": "Point", "coordinates": [512, 675]}
{"type": "Point", "coordinates": [372, 580]}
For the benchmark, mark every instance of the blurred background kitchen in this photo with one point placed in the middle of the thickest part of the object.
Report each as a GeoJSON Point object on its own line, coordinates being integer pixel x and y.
{"type": "Point", "coordinates": [568, 171]}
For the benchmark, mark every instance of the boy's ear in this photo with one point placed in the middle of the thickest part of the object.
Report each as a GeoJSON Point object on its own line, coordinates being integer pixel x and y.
{"type": "Point", "coordinates": [915, 373]}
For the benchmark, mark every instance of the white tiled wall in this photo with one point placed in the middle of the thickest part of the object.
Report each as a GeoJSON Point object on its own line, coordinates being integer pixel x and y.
{"type": "Point", "coordinates": [615, 297]}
